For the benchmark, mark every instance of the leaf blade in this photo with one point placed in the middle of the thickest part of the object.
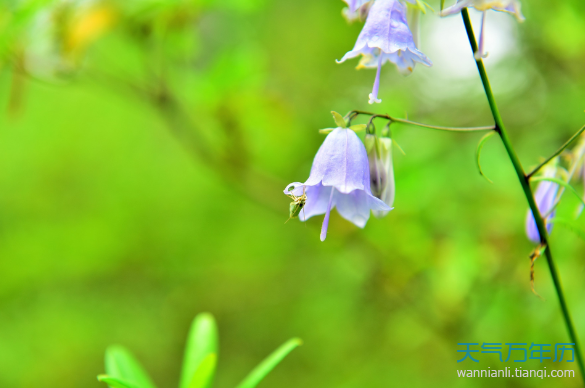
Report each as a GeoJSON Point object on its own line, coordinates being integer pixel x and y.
{"type": "Point", "coordinates": [203, 376]}
{"type": "Point", "coordinates": [114, 382]}
{"type": "Point", "coordinates": [201, 341]}
{"type": "Point", "coordinates": [121, 364]}
{"type": "Point", "coordinates": [258, 373]}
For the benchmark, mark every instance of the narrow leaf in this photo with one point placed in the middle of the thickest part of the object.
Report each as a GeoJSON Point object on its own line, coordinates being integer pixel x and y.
{"type": "Point", "coordinates": [201, 342]}
{"type": "Point", "coordinates": [326, 131]}
{"type": "Point", "coordinates": [269, 363]}
{"type": "Point", "coordinates": [398, 146]}
{"type": "Point", "coordinates": [204, 374]}
{"type": "Point", "coordinates": [442, 5]}
{"type": "Point", "coordinates": [561, 183]}
{"type": "Point", "coordinates": [478, 153]}
{"type": "Point", "coordinates": [121, 364]}
{"type": "Point", "coordinates": [339, 120]}
{"type": "Point", "coordinates": [114, 382]}
{"type": "Point", "coordinates": [571, 225]}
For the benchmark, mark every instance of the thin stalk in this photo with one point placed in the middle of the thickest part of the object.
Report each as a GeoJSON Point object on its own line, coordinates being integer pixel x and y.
{"type": "Point", "coordinates": [355, 113]}
{"type": "Point", "coordinates": [557, 152]}
{"type": "Point", "coordinates": [524, 181]}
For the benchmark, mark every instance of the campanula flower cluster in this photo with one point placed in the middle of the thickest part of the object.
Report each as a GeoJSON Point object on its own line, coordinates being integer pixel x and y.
{"type": "Point", "coordinates": [356, 177]}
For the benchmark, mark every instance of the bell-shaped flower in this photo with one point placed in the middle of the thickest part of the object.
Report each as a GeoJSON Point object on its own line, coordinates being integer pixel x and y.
{"type": "Point", "coordinates": [545, 197]}
{"type": "Point", "coordinates": [509, 6]}
{"type": "Point", "coordinates": [381, 170]}
{"type": "Point", "coordinates": [340, 178]}
{"type": "Point", "coordinates": [386, 37]}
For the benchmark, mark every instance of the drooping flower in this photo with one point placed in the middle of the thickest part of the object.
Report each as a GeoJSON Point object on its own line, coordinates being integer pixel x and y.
{"type": "Point", "coordinates": [381, 170]}
{"type": "Point", "coordinates": [340, 178]}
{"type": "Point", "coordinates": [509, 6]}
{"type": "Point", "coordinates": [545, 196]}
{"type": "Point", "coordinates": [386, 37]}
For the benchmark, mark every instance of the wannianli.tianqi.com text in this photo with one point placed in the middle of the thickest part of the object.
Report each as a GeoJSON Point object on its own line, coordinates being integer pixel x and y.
{"type": "Point", "coordinates": [516, 372]}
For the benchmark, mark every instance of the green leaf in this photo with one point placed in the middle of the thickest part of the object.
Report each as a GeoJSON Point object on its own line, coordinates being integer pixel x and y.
{"type": "Point", "coordinates": [339, 120]}
{"type": "Point", "coordinates": [269, 363]}
{"type": "Point", "coordinates": [569, 224]}
{"type": "Point", "coordinates": [442, 4]}
{"type": "Point", "coordinates": [201, 342]}
{"type": "Point", "coordinates": [326, 131]}
{"type": "Point", "coordinates": [358, 127]}
{"type": "Point", "coordinates": [204, 374]}
{"type": "Point", "coordinates": [561, 183]}
{"type": "Point", "coordinates": [115, 383]}
{"type": "Point", "coordinates": [478, 153]}
{"type": "Point", "coordinates": [120, 364]}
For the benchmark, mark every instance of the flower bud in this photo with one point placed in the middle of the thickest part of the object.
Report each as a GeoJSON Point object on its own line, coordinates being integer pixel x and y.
{"type": "Point", "coordinates": [381, 170]}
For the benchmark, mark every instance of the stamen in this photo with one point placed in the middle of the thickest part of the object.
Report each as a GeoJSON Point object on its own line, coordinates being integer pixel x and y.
{"type": "Point", "coordinates": [374, 95]}
{"type": "Point", "coordinates": [326, 219]}
{"type": "Point", "coordinates": [479, 54]}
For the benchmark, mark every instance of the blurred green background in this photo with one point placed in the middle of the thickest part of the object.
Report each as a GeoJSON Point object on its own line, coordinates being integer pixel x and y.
{"type": "Point", "coordinates": [144, 146]}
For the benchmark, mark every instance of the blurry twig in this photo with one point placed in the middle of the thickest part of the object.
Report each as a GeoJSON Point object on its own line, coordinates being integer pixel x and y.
{"type": "Point", "coordinates": [556, 153]}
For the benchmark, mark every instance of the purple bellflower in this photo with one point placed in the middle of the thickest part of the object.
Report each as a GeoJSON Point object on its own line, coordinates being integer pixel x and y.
{"type": "Point", "coordinates": [340, 177]}
{"type": "Point", "coordinates": [386, 37]}
{"type": "Point", "coordinates": [545, 196]}
{"type": "Point", "coordinates": [510, 6]}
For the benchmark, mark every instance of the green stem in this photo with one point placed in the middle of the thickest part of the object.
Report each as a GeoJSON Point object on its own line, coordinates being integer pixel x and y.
{"type": "Point", "coordinates": [524, 181]}
{"type": "Point", "coordinates": [351, 115]}
{"type": "Point", "coordinates": [557, 152]}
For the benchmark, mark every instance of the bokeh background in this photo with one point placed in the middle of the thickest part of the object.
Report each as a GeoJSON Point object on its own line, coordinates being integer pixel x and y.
{"type": "Point", "coordinates": [144, 146]}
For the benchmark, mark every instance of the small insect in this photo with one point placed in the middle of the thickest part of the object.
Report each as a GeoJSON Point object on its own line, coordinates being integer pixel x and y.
{"type": "Point", "coordinates": [297, 204]}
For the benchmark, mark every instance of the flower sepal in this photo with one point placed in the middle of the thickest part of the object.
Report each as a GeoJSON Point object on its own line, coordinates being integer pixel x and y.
{"type": "Point", "coordinates": [339, 120]}
{"type": "Point", "coordinates": [355, 128]}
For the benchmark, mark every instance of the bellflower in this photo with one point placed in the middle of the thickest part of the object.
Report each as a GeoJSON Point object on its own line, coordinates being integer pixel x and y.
{"type": "Point", "coordinates": [545, 196]}
{"type": "Point", "coordinates": [386, 37]}
{"type": "Point", "coordinates": [510, 6]}
{"type": "Point", "coordinates": [340, 177]}
{"type": "Point", "coordinates": [381, 170]}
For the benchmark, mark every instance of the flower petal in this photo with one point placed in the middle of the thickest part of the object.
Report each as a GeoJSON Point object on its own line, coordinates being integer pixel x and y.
{"type": "Point", "coordinates": [355, 206]}
{"type": "Point", "coordinates": [341, 162]}
{"type": "Point", "coordinates": [545, 195]}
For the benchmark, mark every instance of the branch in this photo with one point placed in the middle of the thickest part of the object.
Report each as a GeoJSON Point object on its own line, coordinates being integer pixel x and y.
{"type": "Point", "coordinates": [354, 113]}
{"type": "Point", "coordinates": [557, 152]}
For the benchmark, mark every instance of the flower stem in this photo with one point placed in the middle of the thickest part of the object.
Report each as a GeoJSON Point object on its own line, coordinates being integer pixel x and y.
{"type": "Point", "coordinates": [557, 152]}
{"type": "Point", "coordinates": [351, 115]}
{"type": "Point", "coordinates": [524, 181]}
